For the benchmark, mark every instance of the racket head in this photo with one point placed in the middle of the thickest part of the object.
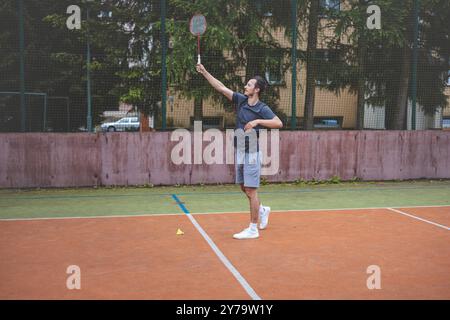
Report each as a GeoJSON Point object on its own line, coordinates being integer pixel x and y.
{"type": "Point", "coordinates": [197, 25]}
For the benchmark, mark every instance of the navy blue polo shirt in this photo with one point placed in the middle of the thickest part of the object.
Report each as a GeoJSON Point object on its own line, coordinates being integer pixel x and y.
{"type": "Point", "coordinates": [246, 113]}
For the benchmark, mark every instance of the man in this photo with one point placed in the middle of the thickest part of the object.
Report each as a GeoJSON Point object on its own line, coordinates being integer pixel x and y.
{"type": "Point", "coordinates": [251, 114]}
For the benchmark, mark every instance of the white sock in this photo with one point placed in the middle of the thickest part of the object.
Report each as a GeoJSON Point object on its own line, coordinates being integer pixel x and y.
{"type": "Point", "coordinates": [261, 208]}
{"type": "Point", "coordinates": [254, 226]}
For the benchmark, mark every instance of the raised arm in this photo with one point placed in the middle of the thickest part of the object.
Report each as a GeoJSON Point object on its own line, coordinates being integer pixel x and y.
{"type": "Point", "coordinates": [219, 86]}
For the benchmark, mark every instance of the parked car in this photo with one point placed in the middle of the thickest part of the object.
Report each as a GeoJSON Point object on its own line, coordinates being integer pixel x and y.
{"type": "Point", "coordinates": [124, 124]}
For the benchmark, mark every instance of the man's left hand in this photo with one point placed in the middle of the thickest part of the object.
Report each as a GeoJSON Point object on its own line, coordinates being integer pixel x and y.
{"type": "Point", "coordinates": [249, 126]}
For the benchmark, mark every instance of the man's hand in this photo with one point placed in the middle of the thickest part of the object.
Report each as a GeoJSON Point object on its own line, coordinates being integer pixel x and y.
{"type": "Point", "coordinates": [200, 68]}
{"type": "Point", "coordinates": [249, 126]}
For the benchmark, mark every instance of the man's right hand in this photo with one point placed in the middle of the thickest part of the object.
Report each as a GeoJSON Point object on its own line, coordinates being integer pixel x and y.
{"type": "Point", "coordinates": [200, 68]}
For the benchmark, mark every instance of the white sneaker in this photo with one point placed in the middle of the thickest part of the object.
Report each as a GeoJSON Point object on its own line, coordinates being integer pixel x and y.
{"type": "Point", "coordinates": [264, 218]}
{"type": "Point", "coordinates": [246, 234]}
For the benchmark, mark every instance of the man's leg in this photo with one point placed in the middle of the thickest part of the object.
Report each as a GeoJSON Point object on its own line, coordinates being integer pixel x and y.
{"type": "Point", "coordinates": [244, 191]}
{"type": "Point", "coordinates": [249, 175]}
{"type": "Point", "coordinates": [252, 231]}
{"type": "Point", "coordinates": [252, 195]}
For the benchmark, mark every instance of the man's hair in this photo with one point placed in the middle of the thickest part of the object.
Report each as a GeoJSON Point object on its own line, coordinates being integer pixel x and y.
{"type": "Point", "coordinates": [261, 83]}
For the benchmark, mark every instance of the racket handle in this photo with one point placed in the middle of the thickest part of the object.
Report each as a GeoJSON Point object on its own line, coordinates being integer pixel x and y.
{"type": "Point", "coordinates": [199, 60]}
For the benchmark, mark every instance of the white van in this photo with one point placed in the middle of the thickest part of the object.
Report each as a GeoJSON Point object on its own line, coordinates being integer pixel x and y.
{"type": "Point", "coordinates": [124, 124]}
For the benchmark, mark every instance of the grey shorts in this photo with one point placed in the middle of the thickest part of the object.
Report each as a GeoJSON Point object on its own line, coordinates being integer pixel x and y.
{"type": "Point", "coordinates": [248, 169]}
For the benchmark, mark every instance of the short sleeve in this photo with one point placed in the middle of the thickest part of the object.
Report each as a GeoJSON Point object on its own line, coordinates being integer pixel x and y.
{"type": "Point", "coordinates": [267, 113]}
{"type": "Point", "coordinates": [238, 99]}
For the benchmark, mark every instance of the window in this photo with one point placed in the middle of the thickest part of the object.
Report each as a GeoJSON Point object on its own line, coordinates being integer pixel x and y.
{"type": "Point", "coordinates": [274, 63]}
{"type": "Point", "coordinates": [262, 7]}
{"type": "Point", "coordinates": [323, 123]}
{"type": "Point", "coordinates": [448, 72]}
{"type": "Point", "coordinates": [445, 75]}
{"type": "Point", "coordinates": [328, 122]}
{"type": "Point", "coordinates": [446, 123]}
{"type": "Point", "coordinates": [324, 58]}
{"type": "Point", "coordinates": [105, 9]}
{"type": "Point", "coordinates": [327, 6]}
{"type": "Point", "coordinates": [105, 14]}
{"type": "Point", "coordinates": [324, 55]}
{"type": "Point", "coordinates": [330, 4]}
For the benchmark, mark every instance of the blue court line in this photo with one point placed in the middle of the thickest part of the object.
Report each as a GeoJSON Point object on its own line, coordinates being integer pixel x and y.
{"type": "Point", "coordinates": [180, 204]}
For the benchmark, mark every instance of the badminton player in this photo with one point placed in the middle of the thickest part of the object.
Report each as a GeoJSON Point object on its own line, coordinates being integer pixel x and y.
{"type": "Point", "coordinates": [251, 114]}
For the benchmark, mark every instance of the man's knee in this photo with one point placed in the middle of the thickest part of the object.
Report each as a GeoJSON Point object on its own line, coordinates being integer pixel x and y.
{"type": "Point", "coordinates": [250, 192]}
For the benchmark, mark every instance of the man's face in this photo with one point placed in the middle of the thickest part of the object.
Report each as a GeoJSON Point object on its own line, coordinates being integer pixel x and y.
{"type": "Point", "coordinates": [250, 89]}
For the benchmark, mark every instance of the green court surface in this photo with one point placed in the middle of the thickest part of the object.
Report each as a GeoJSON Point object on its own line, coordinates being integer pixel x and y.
{"type": "Point", "coordinates": [86, 202]}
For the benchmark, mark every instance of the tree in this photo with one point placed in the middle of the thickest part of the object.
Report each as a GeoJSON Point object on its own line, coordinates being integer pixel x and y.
{"type": "Point", "coordinates": [41, 42]}
{"type": "Point", "coordinates": [125, 64]}
{"type": "Point", "coordinates": [380, 60]}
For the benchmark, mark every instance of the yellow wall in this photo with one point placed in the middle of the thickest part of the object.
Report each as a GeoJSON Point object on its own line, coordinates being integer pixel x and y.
{"type": "Point", "coordinates": [183, 109]}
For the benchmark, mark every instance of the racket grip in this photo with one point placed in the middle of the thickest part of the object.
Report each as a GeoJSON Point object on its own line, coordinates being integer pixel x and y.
{"type": "Point", "coordinates": [199, 60]}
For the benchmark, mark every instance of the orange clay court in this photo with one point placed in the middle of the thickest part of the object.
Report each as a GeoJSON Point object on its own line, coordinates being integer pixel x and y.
{"type": "Point", "coordinates": [319, 244]}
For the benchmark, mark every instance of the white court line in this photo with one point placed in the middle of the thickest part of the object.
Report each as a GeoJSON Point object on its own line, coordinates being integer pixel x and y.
{"type": "Point", "coordinates": [208, 213]}
{"type": "Point", "coordinates": [225, 260]}
{"type": "Point", "coordinates": [324, 209]}
{"type": "Point", "coordinates": [415, 217]}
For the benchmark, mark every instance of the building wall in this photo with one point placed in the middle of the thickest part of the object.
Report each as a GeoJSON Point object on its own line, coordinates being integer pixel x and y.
{"type": "Point", "coordinates": [327, 103]}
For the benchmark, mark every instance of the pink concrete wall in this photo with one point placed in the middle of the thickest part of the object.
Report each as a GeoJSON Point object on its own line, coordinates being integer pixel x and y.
{"type": "Point", "coordinates": [71, 160]}
{"type": "Point", "coordinates": [47, 160]}
{"type": "Point", "coordinates": [369, 155]}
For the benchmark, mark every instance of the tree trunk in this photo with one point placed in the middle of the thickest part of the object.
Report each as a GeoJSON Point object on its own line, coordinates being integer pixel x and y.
{"type": "Point", "coordinates": [391, 108]}
{"type": "Point", "coordinates": [362, 55]}
{"type": "Point", "coordinates": [400, 100]}
{"type": "Point", "coordinates": [399, 121]}
{"type": "Point", "coordinates": [311, 65]}
{"type": "Point", "coordinates": [361, 104]}
{"type": "Point", "coordinates": [143, 120]}
{"type": "Point", "coordinates": [198, 109]}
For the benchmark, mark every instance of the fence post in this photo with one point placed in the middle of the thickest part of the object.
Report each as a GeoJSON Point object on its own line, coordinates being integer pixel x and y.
{"type": "Point", "coordinates": [163, 64]}
{"type": "Point", "coordinates": [414, 65]}
{"type": "Point", "coordinates": [294, 65]}
{"type": "Point", "coordinates": [88, 74]}
{"type": "Point", "coordinates": [22, 68]}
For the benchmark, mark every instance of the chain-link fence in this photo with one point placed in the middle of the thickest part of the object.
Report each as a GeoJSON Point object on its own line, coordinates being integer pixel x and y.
{"type": "Point", "coordinates": [71, 66]}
